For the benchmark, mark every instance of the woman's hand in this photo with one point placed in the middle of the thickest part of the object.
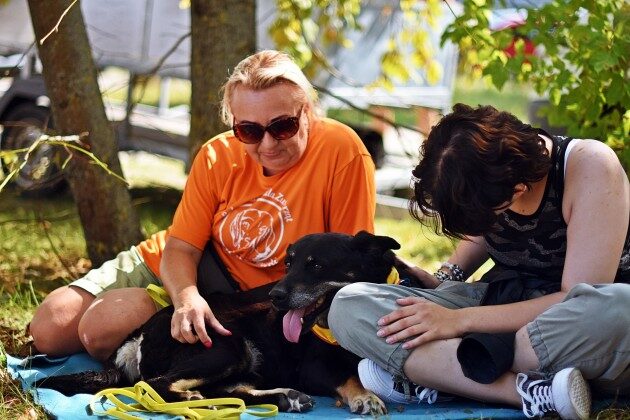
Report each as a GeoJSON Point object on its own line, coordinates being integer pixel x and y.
{"type": "Point", "coordinates": [188, 323]}
{"type": "Point", "coordinates": [419, 321]}
{"type": "Point", "coordinates": [418, 276]}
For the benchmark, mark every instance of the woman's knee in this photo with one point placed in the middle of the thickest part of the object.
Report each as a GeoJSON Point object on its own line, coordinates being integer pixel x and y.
{"type": "Point", "coordinates": [123, 310]}
{"type": "Point", "coordinates": [353, 316]}
{"type": "Point", "coordinates": [54, 326]}
{"type": "Point", "coordinates": [346, 306]}
{"type": "Point", "coordinates": [603, 305]}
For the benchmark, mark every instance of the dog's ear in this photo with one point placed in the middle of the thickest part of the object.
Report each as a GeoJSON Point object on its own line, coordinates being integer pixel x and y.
{"type": "Point", "coordinates": [365, 241]}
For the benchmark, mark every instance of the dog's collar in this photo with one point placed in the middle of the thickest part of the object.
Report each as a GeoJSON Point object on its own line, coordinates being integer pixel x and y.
{"type": "Point", "coordinates": [324, 334]}
{"type": "Point", "coordinates": [327, 336]}
{"type": "Point", "coordinates": [393, 277]}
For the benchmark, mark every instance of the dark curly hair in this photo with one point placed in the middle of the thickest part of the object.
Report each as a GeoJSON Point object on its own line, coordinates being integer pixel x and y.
{"type": "Point", "coordinates": [470, 164]}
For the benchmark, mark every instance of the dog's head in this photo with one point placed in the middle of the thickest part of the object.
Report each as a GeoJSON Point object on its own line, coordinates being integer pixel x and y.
{"type": "Point", "coordinates": [320, 264]}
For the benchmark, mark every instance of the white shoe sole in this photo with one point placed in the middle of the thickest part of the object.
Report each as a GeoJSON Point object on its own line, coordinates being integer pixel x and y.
{"type": "Point", "coordinates": [371, 380]}
{"type": "Point", "coordinates": [571, 395]}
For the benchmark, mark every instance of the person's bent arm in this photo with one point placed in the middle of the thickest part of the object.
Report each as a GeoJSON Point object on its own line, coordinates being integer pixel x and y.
{"type": "Point", "coordinates": [179, 275]}
{"type": "Point", "coordinates": [595, 206]}
{"type": "Point", "coordinates": [469, 254]}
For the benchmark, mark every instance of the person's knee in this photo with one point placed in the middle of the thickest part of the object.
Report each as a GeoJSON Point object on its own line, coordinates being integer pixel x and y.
{"type": "Point", "coordinates": [604, 305]}
{"type": "Point", "coordinates": [98, 342]}
{"type": "Point", "coordinates": [123, 310]}
{"type": "Point", "coordinates": [606, 314]}
{"type": "Point", "coordinates": [344, 308]}
{"type": "Point", "coordinates": [54, 324]}
{"type": "Point", "coordinates": [44, 330]}
{"type": "Point", "coordinates": [100, 339]}
{"type": "Point", "coordinates": [352, 316]}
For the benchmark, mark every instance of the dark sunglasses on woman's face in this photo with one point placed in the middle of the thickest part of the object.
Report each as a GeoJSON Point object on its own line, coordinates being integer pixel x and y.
{"type": "Point", "coordinates": [281, 129]}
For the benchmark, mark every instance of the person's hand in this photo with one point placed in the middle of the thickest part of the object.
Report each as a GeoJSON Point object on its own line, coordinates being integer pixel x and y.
{"type": "Point", "coordinates": [188, 323]}
{"type": "Point", "coordinates": [419, 321]}
{"type": "Point", "coordinates": [418, 276]}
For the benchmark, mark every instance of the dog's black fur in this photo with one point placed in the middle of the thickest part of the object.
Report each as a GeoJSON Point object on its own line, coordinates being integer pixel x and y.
{"type": "Point", "coordinates": [257, 363]}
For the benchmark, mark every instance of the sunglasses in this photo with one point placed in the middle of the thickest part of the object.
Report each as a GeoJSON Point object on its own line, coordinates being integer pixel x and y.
{"type": "Point", "coordinates": [282, 129]}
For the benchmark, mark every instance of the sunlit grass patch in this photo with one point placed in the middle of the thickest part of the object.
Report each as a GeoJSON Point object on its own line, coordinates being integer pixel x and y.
{"type": "Point", "coordinates": [419, 244]}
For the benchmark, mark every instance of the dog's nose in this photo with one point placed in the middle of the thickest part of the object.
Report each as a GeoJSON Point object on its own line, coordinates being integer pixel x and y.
{"type": "Point", "coordinates": [278, 294]}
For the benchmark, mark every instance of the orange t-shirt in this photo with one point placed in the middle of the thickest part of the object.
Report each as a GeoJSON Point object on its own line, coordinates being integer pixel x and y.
{"type": "Point", "coordinates": [252, 218]}
{"type": "Point", "coordinates": [151, 250]}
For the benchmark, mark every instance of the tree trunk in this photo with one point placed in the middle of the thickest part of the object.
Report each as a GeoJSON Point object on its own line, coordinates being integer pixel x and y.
{"type": "Point", "coordinates": [110, 223]}
{"type": "Point", "coordinates": [223, 32]}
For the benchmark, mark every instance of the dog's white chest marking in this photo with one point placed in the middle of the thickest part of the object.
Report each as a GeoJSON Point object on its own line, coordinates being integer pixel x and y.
{"type": "Point", "coordinates": [128, 358]}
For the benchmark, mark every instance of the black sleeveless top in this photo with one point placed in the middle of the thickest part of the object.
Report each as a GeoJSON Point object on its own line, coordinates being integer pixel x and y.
{"type": "Point", "coordinates": [535, 245]}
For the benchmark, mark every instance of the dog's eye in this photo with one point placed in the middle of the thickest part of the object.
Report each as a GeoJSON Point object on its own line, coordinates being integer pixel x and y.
{"type": "Point", "coordinates": [317, 266]}
{"type": "Point", "coordinates": [287, 264]}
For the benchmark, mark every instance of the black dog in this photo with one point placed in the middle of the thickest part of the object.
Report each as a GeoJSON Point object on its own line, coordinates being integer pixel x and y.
{"type": "Point", "coordinates": [256, 363]}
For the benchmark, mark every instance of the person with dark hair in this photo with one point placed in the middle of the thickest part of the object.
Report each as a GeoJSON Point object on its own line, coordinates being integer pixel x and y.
{"type": "Point", "coordinates": [552, 213]}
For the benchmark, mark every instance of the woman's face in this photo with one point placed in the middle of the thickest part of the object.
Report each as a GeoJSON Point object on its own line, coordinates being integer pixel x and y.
{"type": "Point", "coordinates": [264, 107]}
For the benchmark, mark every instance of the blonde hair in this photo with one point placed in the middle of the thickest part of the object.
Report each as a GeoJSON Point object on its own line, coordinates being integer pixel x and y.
{"type": "Point", "coordinates": [265, 69]}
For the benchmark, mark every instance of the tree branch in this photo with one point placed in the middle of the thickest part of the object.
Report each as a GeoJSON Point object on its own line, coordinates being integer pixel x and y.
{"type": "Point", "coordinates": [56, 27]}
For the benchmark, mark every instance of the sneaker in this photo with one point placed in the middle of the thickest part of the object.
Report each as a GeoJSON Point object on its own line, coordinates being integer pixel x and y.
{"type": "Point", "coordinates": [376, 379]}
{"type": "Point", "coordinates": [567, 394]}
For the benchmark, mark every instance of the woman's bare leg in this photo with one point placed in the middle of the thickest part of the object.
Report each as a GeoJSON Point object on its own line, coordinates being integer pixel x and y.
{"type": "Point", "coordinates": [54, 326]}
{"type": "Point", "coordinates": [420, 368]}
{"type": "Point", "coordinates": [112, 317]}
{"type": "Point", "coordinates": [435, 365]}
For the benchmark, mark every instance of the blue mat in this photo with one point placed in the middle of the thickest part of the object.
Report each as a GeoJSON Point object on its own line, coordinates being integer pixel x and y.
{"type": "Point", "coordinates": [73, 408]}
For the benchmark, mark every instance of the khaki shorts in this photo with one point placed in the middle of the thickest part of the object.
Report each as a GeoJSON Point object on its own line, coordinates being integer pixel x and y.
{"type": "Point", "coordinates": [126, 270]}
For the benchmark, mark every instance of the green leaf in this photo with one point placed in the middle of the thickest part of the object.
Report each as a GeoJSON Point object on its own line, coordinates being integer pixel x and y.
{"type": "Point", "coordinates": [497, 72]}
{"type": "Point", "coordinates": [615, 90]}
{"type": "Point", "coordinates": [601, 60]}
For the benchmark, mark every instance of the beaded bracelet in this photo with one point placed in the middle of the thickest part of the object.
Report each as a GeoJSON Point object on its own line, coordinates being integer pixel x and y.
{"type": "Point", "coordinates": [456, 274]}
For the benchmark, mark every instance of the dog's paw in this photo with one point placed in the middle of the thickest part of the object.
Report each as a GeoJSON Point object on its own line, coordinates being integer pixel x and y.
{"type": "Point", "coordinates": [367, 403]}
{"type": "Point", "coordinates": [295, 401]}
{"type": "Point", "coordinates": [192, 395]}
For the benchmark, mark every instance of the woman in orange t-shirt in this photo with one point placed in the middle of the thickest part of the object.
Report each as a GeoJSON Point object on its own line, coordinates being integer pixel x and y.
{"type": "Point", "coordinates": [282, 173]}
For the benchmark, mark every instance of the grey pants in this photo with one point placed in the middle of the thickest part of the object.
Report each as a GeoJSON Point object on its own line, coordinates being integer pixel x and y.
{"type": "Point", "coordinates": [589, 330]}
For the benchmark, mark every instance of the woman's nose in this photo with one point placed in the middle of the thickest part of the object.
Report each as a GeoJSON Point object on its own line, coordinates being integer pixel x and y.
{"type": "Point", "coordinates": [268, 141]}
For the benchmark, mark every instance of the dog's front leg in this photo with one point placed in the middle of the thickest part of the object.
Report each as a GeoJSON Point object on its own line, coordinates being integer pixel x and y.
{"type": "Point", "coordinates": [359, 399]}
{"type": "Point", "coordinates": [287, 399]}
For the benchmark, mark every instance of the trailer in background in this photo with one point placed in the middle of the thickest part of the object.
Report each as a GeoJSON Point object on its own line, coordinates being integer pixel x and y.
{"type": "Point", "coordinates": [135, 36]}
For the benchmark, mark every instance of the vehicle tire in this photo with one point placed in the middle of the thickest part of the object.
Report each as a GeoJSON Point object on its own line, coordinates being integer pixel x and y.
{"type": "Point", "coordinates": [42, 175]}
{"type": "Point", "coordinates": [373, 142]}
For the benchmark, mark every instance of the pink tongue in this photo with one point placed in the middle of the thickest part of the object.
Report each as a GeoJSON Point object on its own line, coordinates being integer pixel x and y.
{"type": "Point", "coordinates": [292, 324]}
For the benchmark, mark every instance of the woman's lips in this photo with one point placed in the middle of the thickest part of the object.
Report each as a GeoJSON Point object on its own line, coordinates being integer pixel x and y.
{"type": "Point", "coordinates": [271, 155]}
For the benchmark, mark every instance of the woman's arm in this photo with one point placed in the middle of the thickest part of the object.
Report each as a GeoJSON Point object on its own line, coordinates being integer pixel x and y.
{"type": "Point", "coordinates": [469, 254]}
{"type": "Point", "coordinates": [178, 271]}
{"type": "Point", "coordinates": [595, 206]}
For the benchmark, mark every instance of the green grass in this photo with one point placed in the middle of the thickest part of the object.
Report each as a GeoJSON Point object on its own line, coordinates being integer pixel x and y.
{"type": "Point", "coordinates": [42, 240]}
{"type": "Point", "coordinates": [419, 244]}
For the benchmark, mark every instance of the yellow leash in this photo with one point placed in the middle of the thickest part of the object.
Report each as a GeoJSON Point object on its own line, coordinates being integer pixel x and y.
{"type": "Point", "coordinates": [159, 295]}
{"type": "Point", "coordinates": [148, 400]}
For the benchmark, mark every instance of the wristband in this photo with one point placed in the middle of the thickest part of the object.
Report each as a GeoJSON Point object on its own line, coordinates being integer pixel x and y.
{"type": "Point", "coordinates": [442, 276]}
{"type": "Point", "coordinates": [456, 273]}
